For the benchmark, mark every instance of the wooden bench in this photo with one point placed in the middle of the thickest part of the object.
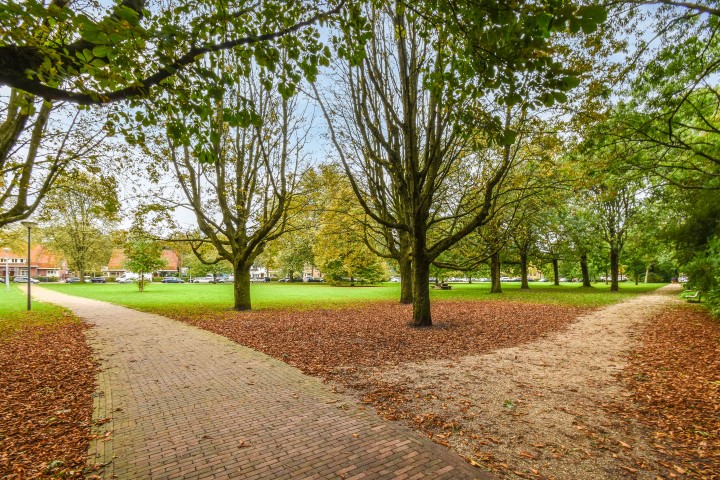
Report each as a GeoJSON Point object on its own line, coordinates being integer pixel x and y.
{"type": "Point", "coordinates": [694, 297]}
{"type": "Point", "coordinates": [442, 286]}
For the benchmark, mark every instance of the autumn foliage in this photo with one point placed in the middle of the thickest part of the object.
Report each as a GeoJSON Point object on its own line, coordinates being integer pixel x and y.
{"type": "Point", "coordinates": [675, 379]}
{"type": "Point", "coordinates": [46, 384]}
{"type": "Point", "coordinates": [334, 343]}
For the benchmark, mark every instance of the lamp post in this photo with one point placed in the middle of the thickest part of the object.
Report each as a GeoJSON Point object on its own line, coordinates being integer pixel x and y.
{"type": "Point", "coordinates": [29, 224]}
{"type": "Point", "coordinates": [7, 275]}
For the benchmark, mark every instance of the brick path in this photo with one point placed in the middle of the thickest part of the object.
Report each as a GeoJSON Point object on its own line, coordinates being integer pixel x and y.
{"type": "Point", "coordinates": [183, 403]}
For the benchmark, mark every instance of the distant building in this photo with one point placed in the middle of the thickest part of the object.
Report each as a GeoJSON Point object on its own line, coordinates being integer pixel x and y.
{"type": "Point", "coordinates": [258, 274]}
{"type": "Point", "coordinates": [43, 263]}
{"type": "Point", "coordinates": [173, 266]}
{"type": "Point", "coordinates": [115, 267]}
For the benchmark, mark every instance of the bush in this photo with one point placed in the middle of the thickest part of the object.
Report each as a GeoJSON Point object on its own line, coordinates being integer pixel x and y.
{"type": "Point", "coordinates": [47, 279]}
{"type": "Point", "coordinates": [704, 274]}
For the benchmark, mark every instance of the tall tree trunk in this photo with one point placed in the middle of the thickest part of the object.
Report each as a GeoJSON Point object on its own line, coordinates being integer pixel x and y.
{"type": "Point", "coordinates": [524, 272]}
{"type": "Point", "coordinates": [421, 291]}
{"type": "Point", "coordinates": [556, 271]}
{"type": "Point", "coordinates": [141, 282]}
{"type": "Point", "coordinates": [647, 274]}
{"type": "Point", "coordinates": [585, 271]}
{"type": "Point", "coordinates": [406, 284]}
{"type": "Point", "coordinates": [614, 269]}
{"type": "Point", "coordinates": [495, 285]}
{"type": "Point", "coordinates": [241, 287]}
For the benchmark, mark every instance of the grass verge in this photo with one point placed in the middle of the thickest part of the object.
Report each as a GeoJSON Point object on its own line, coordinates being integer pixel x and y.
{"type": "Point", "coordinates": [14, 315]}
{"type": "Point", "coordinates": [197, 298]}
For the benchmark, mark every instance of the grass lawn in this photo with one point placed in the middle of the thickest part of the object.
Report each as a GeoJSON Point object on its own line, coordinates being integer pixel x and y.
{"type": "Point", "coordinates": [14, 314]}
{"type": "Point", "coordinates": [170, 298]}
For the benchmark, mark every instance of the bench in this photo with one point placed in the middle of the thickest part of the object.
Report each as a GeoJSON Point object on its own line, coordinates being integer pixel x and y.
{"type": "Point", "coordinates": [694, 297]}
{"type": "Point", "coordinates": [442, 286]}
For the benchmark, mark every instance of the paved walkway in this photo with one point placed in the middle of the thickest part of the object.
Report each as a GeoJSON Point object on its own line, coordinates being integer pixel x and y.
{"type": "Point", "coordinates": [177, 402]}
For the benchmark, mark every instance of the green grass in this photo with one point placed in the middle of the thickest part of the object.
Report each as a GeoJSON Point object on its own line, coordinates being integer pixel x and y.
{"type": "Point", "coordinates": [173, 298]}
{"type": "Point", "coordinates": [14, 315]}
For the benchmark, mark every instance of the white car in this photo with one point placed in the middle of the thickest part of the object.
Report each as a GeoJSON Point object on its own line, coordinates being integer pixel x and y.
{"type": "Point", "coordinates": [203, 280]}
{"type": "Point", "coordinates": [395, 279]}
{"type": "Point", "coordinates": [24, 279]}
{"type": "Point", "coordinates": [132, 277]}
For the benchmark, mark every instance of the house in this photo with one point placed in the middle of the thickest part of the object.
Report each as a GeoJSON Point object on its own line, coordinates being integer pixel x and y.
{"type": "Point", "coordinates": [12, 263]}
{"type": "Point", "coordinates": [258, 274]}
{"type": "Point", "coordinates": [43, 263]}
{"type": "Point", "coordinates": [115, 267]}
{"type": "Point", "coordinates": [173, 265]}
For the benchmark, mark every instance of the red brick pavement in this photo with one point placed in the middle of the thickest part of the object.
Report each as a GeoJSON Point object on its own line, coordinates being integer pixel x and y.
{"type": "Point", "coordinates": [178, 402]}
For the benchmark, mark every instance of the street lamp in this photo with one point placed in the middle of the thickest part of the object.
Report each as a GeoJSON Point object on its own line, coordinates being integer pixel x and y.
{"type": "Point", "coordinates": [7, 261]}
{"type": "Point", "coordinates": [29, 224]}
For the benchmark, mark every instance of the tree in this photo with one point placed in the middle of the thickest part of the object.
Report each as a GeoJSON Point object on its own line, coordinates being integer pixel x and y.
{"type": "Point", "coordinates": [236, 173]}
{"type": "Point", "coordinates": [81, 53]}
{"type": "Point", "coordinates": [668, 109]}
{"type": "Point", "coordinates": [412, 117]}
{"type": "Point", "coordinates": [580, 230]}
{"type": "Point", "coordinates": [197, 268]}
{"type": "Point", "coordinates": [616, 203]}
{"type": "Point", "coordinates": [144, 256]}
{"type": "Point", "coordinates": [65, 51]}
{"type": "Point", "coordinates": [39, 141]}
{"type": "Point", "coordinates": [78, 212]}
{"type": "Point", "coordinates": [340, 244]}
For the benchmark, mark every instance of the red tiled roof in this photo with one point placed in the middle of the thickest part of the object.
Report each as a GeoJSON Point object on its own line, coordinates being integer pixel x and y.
{"type": "Point", "coordinates": [10, 255]}
{"type": "Point", "coordinates": [117, 259]}
{"type": "Point", "coordinates": [172, 259]}
{"type": "Point", "coordinates": [43, 258]}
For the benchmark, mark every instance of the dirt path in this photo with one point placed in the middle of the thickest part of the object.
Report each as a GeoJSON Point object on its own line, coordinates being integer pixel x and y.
{"type": "Point", "coordinates": [537, 410]}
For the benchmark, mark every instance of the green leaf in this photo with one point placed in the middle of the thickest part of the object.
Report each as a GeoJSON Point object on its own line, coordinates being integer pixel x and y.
{"type": "Point", "coordinates": [101, 51]}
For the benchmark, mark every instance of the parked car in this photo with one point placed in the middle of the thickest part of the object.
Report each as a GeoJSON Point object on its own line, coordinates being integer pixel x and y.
{"type": "Point", "coordinates": [313, 280]}
{"type": "Point", "coordinates": [395, 279]}
{"type": "Point", "coordinates": [504, 279]}
{"type": "Point", "coordinates": [98, 280]}
{"type": "Point", "coordinates": [209, 279]}
{"type": "Point", "coordinates": [289, 279]}
{"type": "Point", "coordinates": [130, 277]}
{"type": "Point", "coordinates": [24, 279]}
{"type": "Point", "coordinates": [72, 280]}
{"type": "Point", "coordinates": [172, 280]}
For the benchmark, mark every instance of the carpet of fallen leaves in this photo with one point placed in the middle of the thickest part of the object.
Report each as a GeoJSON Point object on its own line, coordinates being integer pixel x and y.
{"type": "Point", "coordinates": [674, 376]}
{"type": "Point", "coordinates": [334, 344]}
{"type": "Point", "coordinates": [46, 383]}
